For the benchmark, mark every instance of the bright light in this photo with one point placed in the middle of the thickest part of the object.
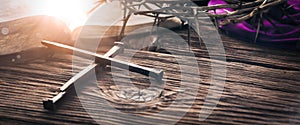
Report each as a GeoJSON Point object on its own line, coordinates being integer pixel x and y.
{"type": "Point", "coordinates": [70, 11]}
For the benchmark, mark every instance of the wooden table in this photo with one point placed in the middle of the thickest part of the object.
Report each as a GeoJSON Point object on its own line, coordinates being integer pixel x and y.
{"type": "Point", "coordinates": [262, 87]}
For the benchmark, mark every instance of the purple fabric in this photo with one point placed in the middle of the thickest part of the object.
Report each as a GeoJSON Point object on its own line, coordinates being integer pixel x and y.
{"type": "Point", "coordinates": [286, 30]}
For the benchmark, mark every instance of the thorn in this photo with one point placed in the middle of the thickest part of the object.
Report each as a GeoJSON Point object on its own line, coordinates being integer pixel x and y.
{"type": "Point", "coordinates": [274, 25]}
{"type": "Point", "coordinates": [258, 27]}
{"type": "Point", "coordinates": [288, 16]}
{"type": "Point", "coordinates": [216, 23]}
{"type": "Point", "coordinates": [253, 20]}
{"type": "Point", "coordinates": [189, 34]}
{"type": "Point", "coordinates": [290, 6]}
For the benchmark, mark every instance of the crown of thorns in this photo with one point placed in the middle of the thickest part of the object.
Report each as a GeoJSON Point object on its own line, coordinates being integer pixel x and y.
{"type": "Point", "coordinates": [242, 9]}
{"type": "Point", "coordinates": [224, 12]}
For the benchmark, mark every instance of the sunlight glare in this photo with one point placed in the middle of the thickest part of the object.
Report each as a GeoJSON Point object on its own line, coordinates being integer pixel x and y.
{"type": "Point", "coordinates": [70, 11]}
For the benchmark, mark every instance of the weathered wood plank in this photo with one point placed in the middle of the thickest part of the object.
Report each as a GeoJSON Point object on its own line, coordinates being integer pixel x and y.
{"type": "Point", "coordinates": [262, 87]}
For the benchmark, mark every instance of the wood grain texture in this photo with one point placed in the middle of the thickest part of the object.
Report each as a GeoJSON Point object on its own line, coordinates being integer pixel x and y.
{"type": "Point", "coordinates": [262, 87]}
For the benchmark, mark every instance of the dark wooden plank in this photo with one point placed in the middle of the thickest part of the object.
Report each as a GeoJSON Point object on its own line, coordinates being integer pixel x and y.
{"type": "Point", "coordinates": [262, 87]}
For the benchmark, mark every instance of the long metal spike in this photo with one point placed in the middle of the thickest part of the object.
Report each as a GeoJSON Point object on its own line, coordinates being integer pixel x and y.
{"type": "Point", "coordinates": [50, 103]}
{"type": "Point", "coordinates": [103, 60]}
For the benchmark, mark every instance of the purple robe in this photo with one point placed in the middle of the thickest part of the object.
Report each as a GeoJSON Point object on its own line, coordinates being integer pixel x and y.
{"type": "Point", "coordinates": [285, 29]}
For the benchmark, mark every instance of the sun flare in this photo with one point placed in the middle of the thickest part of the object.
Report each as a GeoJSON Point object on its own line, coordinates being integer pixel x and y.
{"type": "Point", "coordinates": [70, 11]}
